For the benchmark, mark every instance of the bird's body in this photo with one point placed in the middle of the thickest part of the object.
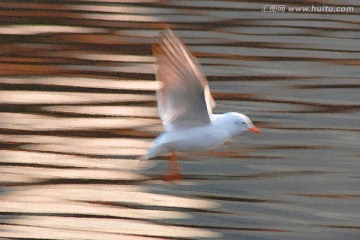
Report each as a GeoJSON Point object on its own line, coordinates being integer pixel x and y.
{"type": "Point", "coordinates": [196, 139]}
{"type": "Point", "coordinates": [185, 106]}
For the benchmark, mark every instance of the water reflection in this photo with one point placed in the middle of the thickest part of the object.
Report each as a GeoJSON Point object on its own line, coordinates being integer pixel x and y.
{"type": "Point", "coordinates": [78, 106]}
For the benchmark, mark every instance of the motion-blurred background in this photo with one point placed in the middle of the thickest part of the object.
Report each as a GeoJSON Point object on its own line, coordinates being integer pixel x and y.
{"type": "Point", "coordinates": [78, 106]}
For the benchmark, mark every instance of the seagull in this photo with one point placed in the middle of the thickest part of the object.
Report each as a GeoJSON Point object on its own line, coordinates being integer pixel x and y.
{"type": "Point", "coordinates": [185, 107]}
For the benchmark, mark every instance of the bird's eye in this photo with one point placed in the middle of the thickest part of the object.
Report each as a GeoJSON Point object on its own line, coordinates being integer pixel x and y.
{"type": "Point", "coordinates": [240, 122]}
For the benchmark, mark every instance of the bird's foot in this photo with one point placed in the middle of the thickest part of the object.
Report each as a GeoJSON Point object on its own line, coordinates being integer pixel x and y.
{"type": "Point", "coordinates": [171, 177]}
{"type": "Point", "coordinates": [173, 172]}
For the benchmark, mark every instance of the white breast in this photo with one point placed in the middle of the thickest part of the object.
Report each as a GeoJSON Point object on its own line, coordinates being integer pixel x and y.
{"type": "Point", "coordinates": [196, 139]}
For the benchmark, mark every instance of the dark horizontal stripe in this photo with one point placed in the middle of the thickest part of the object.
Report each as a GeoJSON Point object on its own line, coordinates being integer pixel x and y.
{"type": "Point", "coordinates": [90, 133]}
{"type": "Point", "coordinates": [75, 181]}
{"type": "Point", "coordinates": [326, 86]}
{"type": "Point", "coordinates": [38, 165]}
{"type": "Point", "coordinates": [238, 199]}
{"type": "Point", "coordinates": [343, 227]}
{"type": "Point", "coordinates": [69, 89]}
{"type": "Point", "coordinates": [154, 208]}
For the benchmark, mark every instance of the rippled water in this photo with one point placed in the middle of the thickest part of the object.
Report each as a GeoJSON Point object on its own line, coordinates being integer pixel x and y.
{"type": "Point", "coordinates": [78, 106]}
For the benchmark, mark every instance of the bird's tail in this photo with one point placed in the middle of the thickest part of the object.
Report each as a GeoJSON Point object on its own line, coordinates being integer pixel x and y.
{"type": "Point", "coordinates": [141, 158]}
{"type": "Point", "coordinates": [152, 152]}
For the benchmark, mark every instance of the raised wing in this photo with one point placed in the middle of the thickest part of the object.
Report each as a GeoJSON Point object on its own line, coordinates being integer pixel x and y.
{"type": "Point", "coordinates": [184, 99]}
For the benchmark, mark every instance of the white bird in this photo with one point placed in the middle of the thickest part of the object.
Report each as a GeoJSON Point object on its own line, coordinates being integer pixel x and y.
{"type": "Point", "coordinates": [185, 107]}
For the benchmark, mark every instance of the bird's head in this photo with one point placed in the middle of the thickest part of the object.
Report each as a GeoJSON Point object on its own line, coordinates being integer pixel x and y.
{"type": "Point", "coordinates": [242, 123]}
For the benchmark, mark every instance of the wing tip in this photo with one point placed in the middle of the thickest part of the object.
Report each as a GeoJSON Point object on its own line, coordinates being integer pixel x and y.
{"type": "Point", "coordinates": [166, 33]}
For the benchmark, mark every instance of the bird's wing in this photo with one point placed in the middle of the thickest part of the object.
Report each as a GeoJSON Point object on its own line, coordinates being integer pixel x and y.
{"type": "Point", "coordinates": [184, 99]}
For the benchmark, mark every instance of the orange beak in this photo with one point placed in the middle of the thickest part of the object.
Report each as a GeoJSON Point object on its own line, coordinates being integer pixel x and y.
{"type": "Point", "coordinates": [254, 130]}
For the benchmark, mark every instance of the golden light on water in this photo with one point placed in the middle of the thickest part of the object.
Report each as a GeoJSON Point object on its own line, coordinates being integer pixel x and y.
{"type": "Point", "coordinates": [9, 97]}
{"type": "Point", "coordinates": [78, 107]}
{"type": "Point", "coordinates": [30, 30]}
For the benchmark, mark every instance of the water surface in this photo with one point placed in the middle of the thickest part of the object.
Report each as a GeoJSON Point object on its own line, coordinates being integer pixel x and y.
{"type": "Point", "coordinates": [77, 102]}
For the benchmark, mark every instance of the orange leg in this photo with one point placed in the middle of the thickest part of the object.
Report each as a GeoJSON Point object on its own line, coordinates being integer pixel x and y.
{"type": "Point", "coordinates": [173, 171]}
